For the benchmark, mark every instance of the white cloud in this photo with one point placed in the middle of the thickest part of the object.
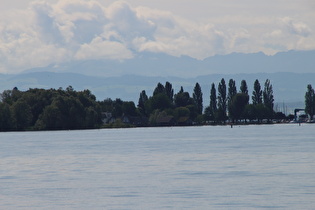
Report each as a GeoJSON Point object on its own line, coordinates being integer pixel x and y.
{"type": "Point", "coordinates": [53, 32]}
{"type": "Point", "coordinates": [103, 49]}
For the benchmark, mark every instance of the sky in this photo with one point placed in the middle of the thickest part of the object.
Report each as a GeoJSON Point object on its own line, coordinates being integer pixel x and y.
{"type": "Point", "coordinates": [39, 33]}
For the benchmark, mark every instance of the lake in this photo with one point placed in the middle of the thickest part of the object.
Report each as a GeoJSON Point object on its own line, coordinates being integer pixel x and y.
{"type": "Point", "coordinates": [208, 167]}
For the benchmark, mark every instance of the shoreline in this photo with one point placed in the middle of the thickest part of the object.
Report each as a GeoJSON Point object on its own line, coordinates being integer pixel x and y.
{"type": "Point", "coordinates": [232, 125]}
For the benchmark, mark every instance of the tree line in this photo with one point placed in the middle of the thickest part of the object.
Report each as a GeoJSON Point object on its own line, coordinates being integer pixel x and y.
{"type": "Point", "coordinates": [226, 103]}
{"type": "Point", "coordinates": [59, 109]}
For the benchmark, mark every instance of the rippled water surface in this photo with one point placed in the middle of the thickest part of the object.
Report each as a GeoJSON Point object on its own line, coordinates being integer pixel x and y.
{"type": "Point", "coordinates": [211, 167]}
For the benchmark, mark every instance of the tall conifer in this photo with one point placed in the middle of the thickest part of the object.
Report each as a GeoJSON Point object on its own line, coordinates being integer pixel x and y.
{"type": "Point", "coordinates": [257, 93]}
{"type": "Point", "coordinates": [197, 96]}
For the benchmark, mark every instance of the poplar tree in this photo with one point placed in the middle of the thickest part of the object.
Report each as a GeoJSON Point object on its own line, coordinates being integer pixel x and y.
{"type": "Point", "coordinates": [243, 87]}
{"type": "Point", "coordinates": [232, 89]}
{"type": "Point", "coordinates": [143, 98]}
{"type": "Point", "coordinates": [268, 95]}
{"type": "Point", "coordinates": [213, 100]}
{"type": "Point", "coordinates": [222, 100]}
{"type": "Point", "coordinates": [181, 89]}
{"type": "Point", "coordinates": [257, 93]}
{"type": "Point", "coordinates": [197, 97]}
{"type": "Point", "coordinates": [231, 93]}
{"type": "Point", "coordinates": [169, 91]}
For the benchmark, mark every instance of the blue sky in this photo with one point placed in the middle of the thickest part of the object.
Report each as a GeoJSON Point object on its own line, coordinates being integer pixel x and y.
{"type": "Point", "coordinates": [38, 33]}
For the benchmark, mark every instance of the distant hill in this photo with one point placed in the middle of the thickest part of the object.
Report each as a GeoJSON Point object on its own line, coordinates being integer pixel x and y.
{"type": "Point", "coordinates": [159, 64]}
{"type": "Point", "coordinates": [289, 88]}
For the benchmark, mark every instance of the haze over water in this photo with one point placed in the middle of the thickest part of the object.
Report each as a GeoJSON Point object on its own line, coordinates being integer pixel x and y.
{"type": "Point", "coordinates": [210, 167]}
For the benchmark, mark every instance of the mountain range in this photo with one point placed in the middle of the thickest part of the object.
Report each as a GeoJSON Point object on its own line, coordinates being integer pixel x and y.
{"type": "Point", "coordinates": [159, 64]}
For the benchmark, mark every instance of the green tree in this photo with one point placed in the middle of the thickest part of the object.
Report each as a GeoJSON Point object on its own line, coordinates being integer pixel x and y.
{"type": "Point", "coordinates": [37, 99]}
{"type": "Point", "coordinates": [262, 112]}
{"type": "Point", "coordinates": [117, 108]}
{"type": "Point", "coordinates": [159, 101]}
{"type": "Point", "coordinates": [232, 89]}
{"type": "Point", "coordinates": [208, 114]}
{"type": "Point", "coordinates": [76, 114]}
{"type": "Point", "coordinates": [52, 109]}
{"type": "Point", "coordinates": [256, 112]}
{"type": "Point", "coordinates": [268, 99]}
{"type": "Point", "coordinates": [169, 91]}
{"type": "Point", "coordinates": [183, 99]}
{"type": "Point", "coordinates": [181, 89]}
{"type": "Point", "coordinates": [250, 112]}
{"type": "Point", "coordinates": [213, 101]}
{"type": "Point", "coordinates": [268, 95]}
{"type": "Point", "coordinates": [156, 115]}
{"type": "Point", "coordinates": [237, 106]}
{"type": "Point", "coordinates": [193, 111]}
{"type": "Point", "coordinates": [159, 89]}
{"type": "Point", "coordinates": [310, 101]}
{"type": "Point", "coordinates": [70, 89]}
{"type": "Point", "coordinates": [231, 93]}
{"type": "Point", "coordinates": [6, 97]}
{"type": "Point", "coordinates": [181, 112]}
{"type": "Point", "coordinates": [21, 115]}
{"type": "Point", "coordinates": [10, 96]}
{"type": "Point", "coordinates": [197, 96]}
{"type": "Point", "coordinates": [243, 87]}
{"type": "Point", "coordinates": [143, 98]}
{"type": "Point", "coordinates": [222, 100]}
{"type": "Point", "coordinates": [51, 119]}
{"type": "Point", "coordinates": [129, 108]}
{"type": "Point", "coordinates": [86, 98]}
{"type": "Point", "coordinates": [257, 93]}
{"type": "Point", "coordinates": [92, 117]}
{"type": "Point", "coordinates": [107, 105]}
{"type": "Point", "coordinates": [5, 117]}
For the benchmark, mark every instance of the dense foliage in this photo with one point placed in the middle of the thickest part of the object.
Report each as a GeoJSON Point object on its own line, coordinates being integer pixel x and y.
{"type": "Point", "coordinates": [40, 109]}
{"type": "Point", "coordinates": [226, 104]}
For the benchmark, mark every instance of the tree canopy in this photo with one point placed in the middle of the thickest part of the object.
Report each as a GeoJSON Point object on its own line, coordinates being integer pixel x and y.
{"type": "Point", "coordinates": [40, 109]}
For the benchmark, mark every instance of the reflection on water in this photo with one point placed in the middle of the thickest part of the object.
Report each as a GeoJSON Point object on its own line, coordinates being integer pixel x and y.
{"type": "Point", "coordinates": [211, 167]}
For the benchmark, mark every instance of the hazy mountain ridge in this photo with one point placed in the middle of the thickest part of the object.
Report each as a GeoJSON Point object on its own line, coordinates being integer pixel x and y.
{"type": "Point", "coordinates": [159, 64]}
{"type": "Point", "coordinates": [289, 88]}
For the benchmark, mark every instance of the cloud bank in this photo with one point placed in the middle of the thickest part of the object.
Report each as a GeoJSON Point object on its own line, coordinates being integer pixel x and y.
{"type": "Point", "coordinates": [81, 30]}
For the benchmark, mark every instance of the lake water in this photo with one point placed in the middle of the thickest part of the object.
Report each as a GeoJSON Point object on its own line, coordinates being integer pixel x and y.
{"type": "Point", "coordinates": [210, 167]}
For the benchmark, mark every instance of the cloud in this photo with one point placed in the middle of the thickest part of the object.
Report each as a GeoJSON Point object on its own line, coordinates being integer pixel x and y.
{"type": "Point", "coordinates": [103, 49]}
{"type": "Point", "coordinates": [128, 24]}
{"type": "Point", "coordinates": [296, 27]}
{"type": "Point", "coordinates": [56, 32]}
{"type": "Point", "coordinates": [74, 21]}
